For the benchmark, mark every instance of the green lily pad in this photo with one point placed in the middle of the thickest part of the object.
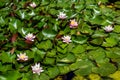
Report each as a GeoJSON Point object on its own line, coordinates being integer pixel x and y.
{"type": "Point", "coordinates": [80, 39]}
{"type": "Point", "coordinates": [14, 24]}
{"type": "Point", "coordinates": [49, 61]}
{"type": "Point", "coordinates": [53, 72]}
{"type": "Point", "coordinates": [64, 69]}
{"type": "Point", "coordinates": [103, 69]}
{"type": "Point", "coordinates": [49, 33]}
{"type": "Point", "coordinates": [99, 34]}
{"type": "Point", "coordinates": [109, 42]}
{"type": "Point", "coordinates": [2, 21]}
{"type": "Point", "coordinates": [44, 77]}
{"type": "Point", "coordinates": [84, 67]}
{"type": "Point", "coordinates": [97, 41]}
{"type": "Point", "coordinates": [45, 45]}
{"type": "Point", "coordinates": [51, 53]}
{"type": "Point", "coordinates": [97, 55]}
{"type": "Point", "coordinates": [117, 28]}
{"type": "Point", "coordinates": [62, 50]}
{"type": "Point", "coordinates": [7, 57]}
{"type": "Point", "coordinates": [15, 75]}
{"type": "Point", "coordinates": [70, 58]}
{"type": "Point", "coordinates": [78, 49]}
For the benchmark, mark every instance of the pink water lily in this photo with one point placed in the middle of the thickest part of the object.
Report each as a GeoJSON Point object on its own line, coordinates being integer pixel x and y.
{"type": "Point", "coordinates": [66, 39]}
{"type": "Point", "coordinates": [62, 15]}
{"type": "Point", "coordinates": [73, 23]}
{"type": "Point", "coordinates": [33, 5]}
{"type": "Point", "coordinates": [30, 37]}
{"type": "Point", "coordinates": [37, 69]}
{"type": "Point", "coordinates": [22, 57]}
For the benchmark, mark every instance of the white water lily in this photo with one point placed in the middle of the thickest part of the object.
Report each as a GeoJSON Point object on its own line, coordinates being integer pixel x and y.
{"type": "Point", "coordinates": [22, 57]}
{"type": "Point", "coordinates": [30, 37]}
{"type": "Point", "coordinates": [62, 15]}
{"type": "Point", "coordinates": [33, 5]}
{"type": "Point", "coordinates": [66, 39]}
{"type": "Point", "coordinates": [37, 69]}
{"type": "Point", "coordinates": [108, 28]}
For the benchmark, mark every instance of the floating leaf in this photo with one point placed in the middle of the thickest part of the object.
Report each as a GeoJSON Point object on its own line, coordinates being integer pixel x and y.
{"type": "Point", "coordinates": [15, 75]}
{"type": "Point", "coordinates": [68, 59]}
{"type": "Point", "coordinates": [99, 34]}
{"type": "Point", "coordinates": [117, 28]}
{"type": "Point", "coordinates": [103, 69]}
{"type": "Point", "coordinates": [83, 68]}
{"type": "Point", "coordinates": [49, 61]}
{"type": "Point", "coordinates": [51, 53]}
{"type": "Point", "coordinates": [115, 75]}
{"type": "Point", "coordinates": [7, 57]}
{"type": "Point", "coordinates": [78, 49]}
{"type": "Point", "coordinates": [44, 77]}
{"type": "Point", "coordinates": [97, 41]}
{"type": "Point", "coordinates": [80, 39]}
{"type": "Point", "coordinates": [94, 77]}
{"type": "Point", "coordinates": [110, 42]}
{"type": "Point", "coordinates": [64, 69]}
{"type": "Point", "coordinates": [53, 72]}
{"type": "Point", "coordinates": [45, 45]}
{"type": "Point", "coordinates": [49, 33]}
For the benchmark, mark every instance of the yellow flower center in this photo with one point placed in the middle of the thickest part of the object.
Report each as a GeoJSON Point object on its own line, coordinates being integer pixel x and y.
{"type": "Point", "coordinates": [72, 22]}
{"type": "Point", "coordinates": [22, 56]}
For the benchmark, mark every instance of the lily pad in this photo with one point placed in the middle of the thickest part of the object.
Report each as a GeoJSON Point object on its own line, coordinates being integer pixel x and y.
{"type": "Point", "coordinates": [49, 33]}
{"type": "Point", "coordinates": [80, 39]}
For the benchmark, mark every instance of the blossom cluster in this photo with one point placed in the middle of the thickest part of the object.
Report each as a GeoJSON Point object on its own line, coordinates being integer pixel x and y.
{"type": "Point", "coordinates": [66, 39]}
{"type": "Point", "coordinates": [35, 68]}
{"type": "Point", "coordinates": [74, 24]}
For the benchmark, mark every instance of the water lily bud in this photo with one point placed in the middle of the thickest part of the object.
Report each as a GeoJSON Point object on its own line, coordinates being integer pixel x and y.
{"type": "Point", "coordinates": [37, 69]}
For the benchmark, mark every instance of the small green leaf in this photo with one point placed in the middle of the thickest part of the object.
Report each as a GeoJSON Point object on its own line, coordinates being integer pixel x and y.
{"type": "Point", "coordinates": [99, 34]}
{"type": "Point", "coordinates": [4, 68]}
{"type": "Point", "coordinates": [37, 54]}
{"type": "Point", "coordinates": [7, 57]}
{"type": "Point", "coordinates": [70, 58]}
{"type": "Point", "coordinates": [104, 70]}
{"type": "Point", "coordinates": [84, 67]}
{"type": "Point", "coordinates": [2, 21]}
{"type": "Point", "coordinates": [12, 75]}
{"type": "Point", "coordinates": [97, 41]}
{"type": "Point", "coordinates": [64, 69]}
{"type": "Point", "coordinates": [49, 61]}
{"type": "Point", "coordinates": [78, 49]}
{"type": "Point", "coordinates": [45, 45]}
{"type": "Point", "coordinates": [80, 39]}
{"type": "Point", "coordinates": [49, 33]}
{"type": "Point", "coordinates": [96, 55]}
{"type": "Point", "coordinates": [44, 77]}
{"type": "Point", "coordinates": [117, 28]}
{"type": "Point", "coordinates": [115, 75]}
{"type": "Point", "coordinates": [51, 53]}
{"type": "Point", "coordinates": [62, 50]}
{"type": "Point", "coordinates": [40, 24]}
{"type": "Point", "coordinates": [94, 77]}
{"type": "Point", "coordinates": [109, 42]}
{"type": "Point", "coordinates": [53, 72]}
{"type": "Point", "coordinates": [14, 24]}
